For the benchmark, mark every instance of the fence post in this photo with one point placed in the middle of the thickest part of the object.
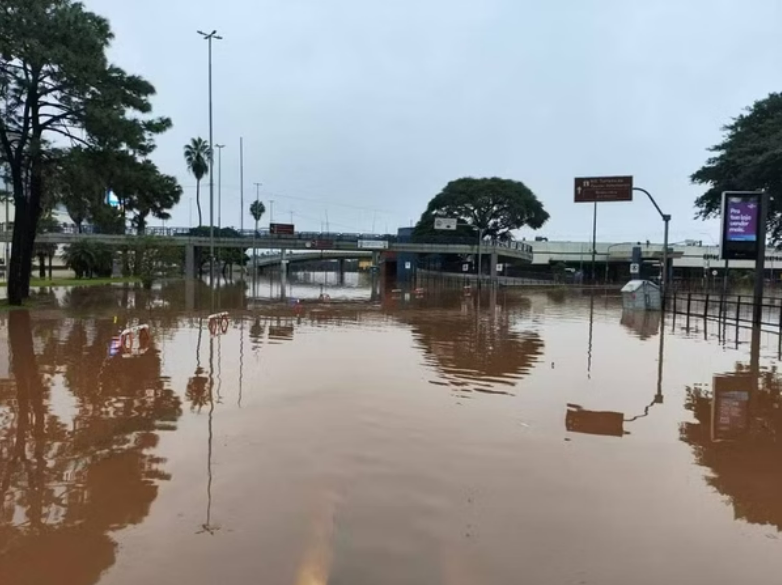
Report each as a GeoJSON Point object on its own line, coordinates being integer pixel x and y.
{"type": "Point", "coordinates": [689, 305]}
{"type": "Point", "coordinates": [738, 309]}
{"type": "Point", "coordinates": [706, 307]}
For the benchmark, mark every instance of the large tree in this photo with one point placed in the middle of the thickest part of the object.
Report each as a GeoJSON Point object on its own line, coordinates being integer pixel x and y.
{"type": "Point", "coordinates": [149, 192]}
{"type": "Point", "coordinates": [496, 206]}
{"type": "Point", "coordinates": [60, 85]}
{"type": "Point", "coordinates": [749, 158]}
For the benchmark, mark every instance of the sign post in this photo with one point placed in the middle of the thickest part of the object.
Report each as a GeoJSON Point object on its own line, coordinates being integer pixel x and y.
{"type": "Point", "coordinates": [601, 189]}
{"type": "Point", "coordinates": [744, 236]}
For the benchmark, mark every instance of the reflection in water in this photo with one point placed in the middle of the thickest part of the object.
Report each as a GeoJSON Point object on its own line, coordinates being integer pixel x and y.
{"type": "Point", "coordinates": [645, 324]}
{"type": "Point", "coordinates": [67, 484]}
{"type": "Point", "coordinates": [737, 436]}
{"type": "Point", "coordinates": [473, 349]}
{"type": "Point", "coordinates": [580, 420]}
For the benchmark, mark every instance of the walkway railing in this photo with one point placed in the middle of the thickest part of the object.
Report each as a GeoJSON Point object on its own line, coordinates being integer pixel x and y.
{"type": "Point", "coordinates": [734, 309]}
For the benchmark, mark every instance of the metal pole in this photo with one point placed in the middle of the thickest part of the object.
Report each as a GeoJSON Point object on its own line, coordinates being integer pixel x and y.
{"type": "Point", "coordinates": [594, 244]}
{"type": "Point", "coordinates": [666, 219]}
{"type": "Point", "coordinates": [480, 267]}
{"type": "Point", "coordinates": [219, 148]}
{"type": "Point", "coordinates": [760, 263]}
{"type": "Point", "coordinates": [211, 177]}
{"type": "Point", "coordinates": [241, 184]}
{"type": "Point", "coordinates": [255, 235]}
{"type": "Point", "coordinates": [664, 277]}
{"type": "Point", "coordinates": [209, 37]}
{"type": "Point", "coordinates": [271, 210]}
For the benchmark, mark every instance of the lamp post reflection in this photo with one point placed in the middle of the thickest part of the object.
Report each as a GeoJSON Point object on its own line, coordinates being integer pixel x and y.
{"type": "Point", "coordinates": [609, 423]}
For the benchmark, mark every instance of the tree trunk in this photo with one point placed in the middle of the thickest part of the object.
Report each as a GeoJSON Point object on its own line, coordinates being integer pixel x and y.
{"type": "Point", "coordinates": [17, 272]}
{"type": "Point", "coordinates": [198, 201]}
{"type": "Point", "coordinates": [42, 265]}
{"type": "Point", "coordinates": [51, 258]}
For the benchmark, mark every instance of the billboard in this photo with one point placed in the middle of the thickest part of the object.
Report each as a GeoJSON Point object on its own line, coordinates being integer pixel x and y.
{"type": "Point", "coordinates": [741, 223]}
{"type": "Point", "coordinates": [445, 223]}
{"type": "Point", "coordinates": [281, 229]}
{"type": "Point", "coordinates": [372, 245]}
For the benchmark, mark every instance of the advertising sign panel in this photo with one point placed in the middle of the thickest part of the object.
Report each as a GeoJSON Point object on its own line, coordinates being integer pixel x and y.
{"type": "Point", "coordinates": [740, 225]}
{"type": "Point", "coordinates": [445, 223]}
{"type": "Point", "coordinates": [281, 229]}
{"type": "Point", "coordinates": [372, 244]}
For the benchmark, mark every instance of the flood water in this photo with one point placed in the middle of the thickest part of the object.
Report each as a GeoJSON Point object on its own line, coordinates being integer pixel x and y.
{"type": "Point", "coordinates": [513, 438]}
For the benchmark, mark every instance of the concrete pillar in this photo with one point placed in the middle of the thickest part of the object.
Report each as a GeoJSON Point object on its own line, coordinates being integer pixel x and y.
{"type": "Point", "coordinates": [190, 267]}
{"type": "Point", "coordinates": [283, 273]}
{"type": "Point", "coordinates": [375, 276]}
{"type": "Point", "coordinates": [341, 278]}
{"type": "Point", "coordinates": [494, 258]}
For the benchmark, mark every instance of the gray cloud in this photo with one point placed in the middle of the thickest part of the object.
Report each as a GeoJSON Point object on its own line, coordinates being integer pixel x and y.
{"type": "Point", "coordinates": [351, 104]}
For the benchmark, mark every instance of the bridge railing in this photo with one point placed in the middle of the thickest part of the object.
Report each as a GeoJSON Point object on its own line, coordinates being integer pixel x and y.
{"type": "Point", "coordinates": [302, 236]}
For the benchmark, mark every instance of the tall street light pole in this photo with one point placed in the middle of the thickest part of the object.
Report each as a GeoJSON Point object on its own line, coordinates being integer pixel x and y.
{"type": "Point", "coordinates": [219, 148]}
{"type": "Point", "coordinates": [209, 38]}
{"type": "Point", "coordinates": [255, 234]}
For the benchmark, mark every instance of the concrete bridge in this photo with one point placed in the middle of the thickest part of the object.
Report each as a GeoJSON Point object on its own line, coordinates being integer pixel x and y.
{"type": "Point", "coordinates": [400, 252]}
{"type": "Point", "coordinates": [274, 259]}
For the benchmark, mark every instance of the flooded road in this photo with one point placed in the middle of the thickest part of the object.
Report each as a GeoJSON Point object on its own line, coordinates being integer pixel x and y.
{"type": "Point", "coordinates": [521, 438]}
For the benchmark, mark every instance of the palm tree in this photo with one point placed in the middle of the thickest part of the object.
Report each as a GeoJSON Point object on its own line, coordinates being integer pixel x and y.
{"type": "Point", "coordinates": [257, 209]}
{"type": "Point", "coordinates": [197, 156]}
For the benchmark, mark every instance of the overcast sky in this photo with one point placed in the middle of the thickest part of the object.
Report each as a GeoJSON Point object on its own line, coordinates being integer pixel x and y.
{"type": "Point", "coordinates": [362, 110]}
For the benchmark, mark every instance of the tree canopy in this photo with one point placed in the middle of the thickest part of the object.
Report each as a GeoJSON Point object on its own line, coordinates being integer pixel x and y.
{"type": "Point", "coordinates": [749, 158]}
{"type": "Point", "coordinates": [496, 206]}
{"type": "Point", "coordinates": [60, 86]}
{"type": "Point", "coordinates": [257, 209]}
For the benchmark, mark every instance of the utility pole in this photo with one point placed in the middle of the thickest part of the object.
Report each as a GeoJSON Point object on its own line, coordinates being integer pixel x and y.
{"type": "Point", "coordinates": [209, 37]}
{"type": "Point", "coordinates": [255, 234]}
{"type": "Point", "coordinates": [219, 148]}
{"type": "Point", "coordinates": [271, 210]}
{"type": "Point", "coordinates": [241, 184]}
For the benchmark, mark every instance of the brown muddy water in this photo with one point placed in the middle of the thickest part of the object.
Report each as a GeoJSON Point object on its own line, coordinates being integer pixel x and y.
{"type": "Point", "coordinates": [516, 438]}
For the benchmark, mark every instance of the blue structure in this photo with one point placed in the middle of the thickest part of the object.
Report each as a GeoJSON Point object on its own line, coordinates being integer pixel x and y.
{"type": "Point", "coordinates": [404, 274]}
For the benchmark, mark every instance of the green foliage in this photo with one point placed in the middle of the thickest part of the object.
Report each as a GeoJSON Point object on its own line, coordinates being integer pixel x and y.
{"type": "Point", "coordinates": [89, 259]}
{"type": "Point", "coordinates": [257, 209]}
{"type": "Point", "coordinates": [197, 158]}
{"type": "Point", "coordinates": [497, 206]}
{"type": "Point", "coordinates": [156, 258]}
{"type": "Point", "coordinates": [60, 86]}
{"type": "Point", "coordinates": [749, 158]}
{"type": "Point", "coordinates": [231, 256]}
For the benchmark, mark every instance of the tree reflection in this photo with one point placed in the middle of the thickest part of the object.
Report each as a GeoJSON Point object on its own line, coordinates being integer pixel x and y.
{"type": "Point", "coordinates": [65, 485]}
{"type": "Point", "coordinates": [746, 470]}
{"type": "Point", "coordinates": [475, 349]}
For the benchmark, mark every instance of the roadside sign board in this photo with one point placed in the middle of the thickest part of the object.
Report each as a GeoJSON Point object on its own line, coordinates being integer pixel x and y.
{"type": "Point", "coordinates": [281, 229]}
{"type": "Point", "coordinates": [445, 223]}
{"type": "Point", "coordinates": [740, 225]}
{"type": "Point", "coordinates": [373, 244]}
{"type": "Point", "coordinates": [635, 268]}
{"type": "Point", "coordinates": [500, 267]}
{"type": "Point", "coordinates": [603, 189]}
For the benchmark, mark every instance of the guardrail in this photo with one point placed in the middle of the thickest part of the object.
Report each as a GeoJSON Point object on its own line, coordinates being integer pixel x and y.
{"type": "Point", "coordinates": [88, 230]}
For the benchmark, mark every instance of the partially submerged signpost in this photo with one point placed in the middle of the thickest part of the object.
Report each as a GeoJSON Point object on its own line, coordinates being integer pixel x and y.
{"type": "Point", "coordinates": [744, 215]}
{"type": "Point", "coordinates": [601, 189]}
{"type": "Point", "coordinates": [607, 189]}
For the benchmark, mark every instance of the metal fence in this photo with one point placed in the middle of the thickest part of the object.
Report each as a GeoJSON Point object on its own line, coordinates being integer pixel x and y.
{"type": "Point", "coordinates": [736, 309]}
